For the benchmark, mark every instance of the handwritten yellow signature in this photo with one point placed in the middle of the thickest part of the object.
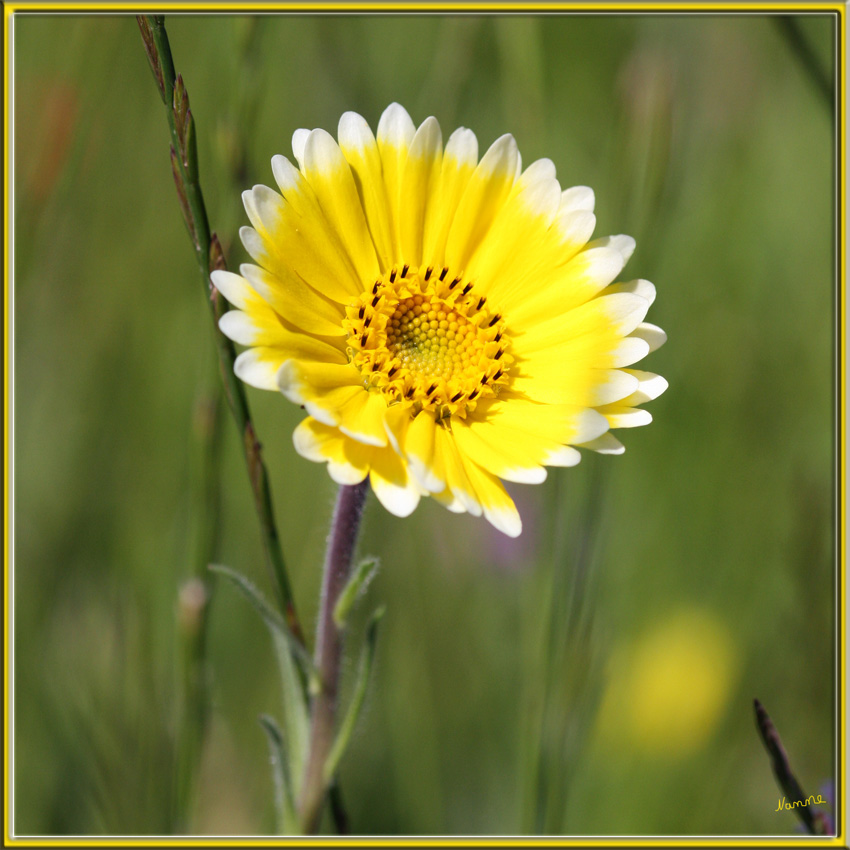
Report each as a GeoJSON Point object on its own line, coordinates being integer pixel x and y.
{"type": "Point", "coordinates": [810, 800]}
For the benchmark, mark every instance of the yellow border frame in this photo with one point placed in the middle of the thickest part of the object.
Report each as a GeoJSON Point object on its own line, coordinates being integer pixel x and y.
{"type": "Point", "coordinates": [38, 7]}
{"type": "Point", "coordinates": [485, 6]}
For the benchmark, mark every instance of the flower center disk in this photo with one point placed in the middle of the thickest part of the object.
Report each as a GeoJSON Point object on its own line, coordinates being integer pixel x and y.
{"type": "Point", "coordinates": [427, 338]}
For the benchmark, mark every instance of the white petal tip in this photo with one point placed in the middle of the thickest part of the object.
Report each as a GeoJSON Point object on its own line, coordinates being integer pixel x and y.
{"type": "Point", "coordinates": [399, 501]}
{"type": "Point", "coordinates": [353, 132]}
{"type": "Point", "coordinates": [395, 126]}
{"type": "Point", "coordinates": [653, 386]}
{"type": "Point", "coordinates": [343, 473]}
{"type": "Point", "coordinates": [248, 367]}
{"type": "Point", "coordinates": [285, 173]}
{"type": "Point", "coordinates": [287, 381]}
{"type": "Point", "coordinates": [654, 336]}
{"type": "Point", "coordinates": [624, 244]}
{"type": "Point", "coordinates": [563, 456]}
{"type": "Point", "coordinates": [531, 475]}
{"type": "Point", "coordinates": [607, 444]}
{"type": "Point", "coordinates": [232, 286]}
{"type": "Point", "coordinates": [424, 475]}
{"type": "Point", "coordinates": [299, 140]}
{"type": "Point", "coordinates": [238, 326]}
{"type": "Point", "coordinates": [578, 198]}
{"type": "Point", "coordinates": [501, 157]}
{"type": "Point", "coordinates": [505, 520]}
{"type": "Point", "coordinates": [643, 288]}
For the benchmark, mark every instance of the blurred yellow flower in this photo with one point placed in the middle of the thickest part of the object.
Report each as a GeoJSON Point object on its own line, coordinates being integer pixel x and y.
{"type": "Point", "coordinates": [444, 321]}
{"type": "Point", "coordinates": [667, 693]}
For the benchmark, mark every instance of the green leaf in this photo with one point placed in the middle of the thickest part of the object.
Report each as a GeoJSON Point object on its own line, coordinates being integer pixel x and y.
{"type": "Point", "coordinates": [272, 619]}
{"type": "Point", "coordinates": [296, 715]}
{"type": "Point", "coordinates": [288, 651]}
{"type": "Point", "coordinates": [284, 804]}
{"type": "Point", "coordinates": [359, 581]}
{"type": "Point", "coordinates": [367, 656]}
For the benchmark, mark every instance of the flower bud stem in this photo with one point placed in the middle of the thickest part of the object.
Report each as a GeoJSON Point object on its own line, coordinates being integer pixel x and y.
{"type": "Point", "coordinates": [338, 558]}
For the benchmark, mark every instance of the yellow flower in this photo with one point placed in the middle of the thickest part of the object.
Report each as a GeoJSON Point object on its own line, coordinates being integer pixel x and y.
{"type": "Point", "coordinates": [668, 690]}
{"type": "Point", "coordinates": [444, 322]}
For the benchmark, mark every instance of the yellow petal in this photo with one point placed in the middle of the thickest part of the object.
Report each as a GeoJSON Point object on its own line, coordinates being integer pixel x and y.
{"type": "Point", "coordinates": [418, 184]}
{"type": "Point", "coordinates": [629, 350]}
{"type": "Point", "coordinates": [420, 449]}
{"type": "Point", "coordinates": [234, 288]}
{"type": "Point", "coordinates": [457, 482]}
{"type": "Point", "coordinates": [267, 330]}
{"type": "Point", "coordinates": [323, 388]}
{"type": "Point", "coordinates": [475, 489]}
{"type": "Point", "coordinates": [362, 418]}
{"type": "Point", "coordinates": [395, 133]}
{"type": "Point", "coordinates": [459, 161]}
{"type": "Point", "coordinates": [297, 239]}
{"type": "Point", "coordinates": [258, 367]}
{"type": "Point", "coordinates": [395, 488]}
{"type": "Point", "coordinates": [397, 420]}
{"type": "Point", "coordinates": [560, 288]}
{"type": "Point", "coordinates": [258, 249]}
{"type": "Point", "coordinates": [301, 241]}
{"type": "Point", "coordinates": [257, 322]}
{"type": "Point", "coordinates": [516, 420]}
{"type": "Point", "coordinates": [298, 303]}
{"type": "Point", "coordinates": [519, 248]}
{"type": "Point", "coordinates": [486, 191]}
{"type": "Point", "coordinates": [359, 147]}
{"type": "Point", "coordinates": [582, 350]}
{"type": "Point", "coordinates": [565, 369]}
{"type": "Point", "coordinates": [347, 464]}
{"type": "Point", "coordinates": [508, 459]}
{"type": "Point", "coordinates": [329, 176]}
{"type": "Point", "coordinates": [581, 387]}
{"type": "Point", "coordinates": [497, 506]}
{"type": "Point", "coordinates": [606, 316]}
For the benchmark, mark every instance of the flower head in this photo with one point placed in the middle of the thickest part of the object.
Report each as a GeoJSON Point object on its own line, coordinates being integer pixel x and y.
{"type": "Point", "coordinates": [444, 321]}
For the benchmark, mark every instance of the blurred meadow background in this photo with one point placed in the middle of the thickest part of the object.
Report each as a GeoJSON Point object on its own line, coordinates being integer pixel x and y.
{"type": "Point", "coordinates": [595, 676]}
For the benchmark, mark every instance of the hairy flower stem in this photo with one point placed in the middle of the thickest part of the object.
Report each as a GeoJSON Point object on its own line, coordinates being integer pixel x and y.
{"type": "Point", "coordinates": [184, 160]}
{"type": "Point", "coordinates": [340, 551]}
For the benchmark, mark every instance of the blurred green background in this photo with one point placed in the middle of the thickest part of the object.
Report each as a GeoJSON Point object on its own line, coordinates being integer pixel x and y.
{"type": "Point", "coordinates": [596, 676]}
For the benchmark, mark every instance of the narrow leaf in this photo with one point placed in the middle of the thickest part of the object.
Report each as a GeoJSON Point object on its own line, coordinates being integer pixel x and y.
{"type": "Point", "coordinates": [293, 661]}
{"type": "Point", "coordinates": [359, 581]}
{"type": "Point", "coordinates": [367, 656]}
{"type": "Point", "coordinates": [284, 804]}
{"type": "Point", "coordinates": [296, 716]}
{"type": "Point", "coordinates": [271, 618]}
